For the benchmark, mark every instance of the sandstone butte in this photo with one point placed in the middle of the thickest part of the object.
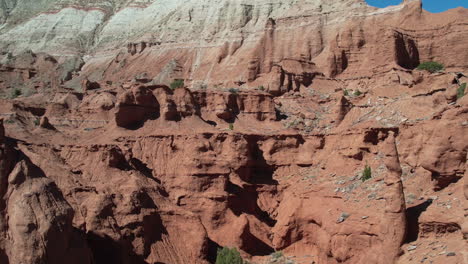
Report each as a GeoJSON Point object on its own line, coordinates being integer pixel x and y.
{"type": "Point", "coordinates": [283, 105]}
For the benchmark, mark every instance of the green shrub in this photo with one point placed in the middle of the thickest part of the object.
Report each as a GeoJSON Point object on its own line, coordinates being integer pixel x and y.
{"type": "Point", "coordinates": [276, 255]}
{"type": "Point", "coordinates": [36, 122]}
{"type": "Point", "coordinates": [231, 126]}
{"type": "Point", "coordinates": [345, 92]}
{"type": "Point", "coordinates": [461, 91]}
{"type": "Point", "coordinates": [261, 88]}
{"type": "Point", "coordinates": [177, 84]}
{"type": "Point", "coordinates": [228, 256]}
{"type": "Point", "coordinates": [431, 66]}
{"type": "Point", "coordinates": [233, 90]}
{"type": "Point", "coordinates": [15, 93]}
{"type": "Point", "coordinates": [366, 174]}
{"type": "Point", "coordinates": [357, 93]}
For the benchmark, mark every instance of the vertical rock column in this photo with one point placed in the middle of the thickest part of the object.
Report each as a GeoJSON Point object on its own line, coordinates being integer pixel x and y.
{"type": "Point", "coordinates": [5, 163]}
{"type": "Point", "coordinates": [3, 256]}
{"type": "Point", "coordinates": [342, 108]}
{"type": "Point", "coordinates": [2, 131]}
{"type": "Point", "coordinates": [465, 192]}
{"type": "Point", "coordinates": [393, 227]}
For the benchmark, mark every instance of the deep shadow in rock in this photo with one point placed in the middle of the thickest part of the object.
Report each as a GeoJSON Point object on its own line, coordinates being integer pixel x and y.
{"type": "Point", "coordinates": [212, 250]}
{"type": "Point", "coordinates": [443, 181]}
{"type": "Point", "coordinates": [257, 170]}
{"type": "Point", "coordinates": [135, 125]}
{"type": "Point", "coordinates": [406, 51]}
{"type": "Point", "coordinates": [233, 107]}
{"type": "Point", "coordinates": [376, 135]}
{"type": "Point", "coordinates": [279, 115]}
{"type": "Point", "coordinates": [143, 168]}
{"type": "Point", "coordinates": [211, 123]}
{"type": "Point", "coordinates": [8, 158]}
{"type": "Point", "coordinates": [244, 200]}
{"type": "Point", "coordinates": [412, 220]}
{"type": "Point", "coordinates": [154, 229]}
{"type": "Point", "coordinates": [3, 257]}
{"type": "Point", "coordinates": [254, 246]}
{"type": "Point", "coordinates": [104, 249]}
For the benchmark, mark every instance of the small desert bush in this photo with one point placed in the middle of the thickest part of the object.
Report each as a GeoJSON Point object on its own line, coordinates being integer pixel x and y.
{"type": "Point", "coordinates": [366, 173]}
{"type": "Point", "coordinates": [461, 91]}
{"type": "Point", "coordinates": [228, 256]}
{"type": "Point", "coordinates": [277, 255]}
{"type": "Point", "coordinates": [231, 126]}
{"type": "Point", "coordinates": [357, 93]}
{"type": "Point", "coordinates": [345, 92]}
{"type": "Point", "coordinates": [431, 66]}
{"type": "Point", "coordinates": [15, 93]}
{"type": "Point", "coordinates": [233, 90]}
{"type": "Point", "coordinates": [177, 84]}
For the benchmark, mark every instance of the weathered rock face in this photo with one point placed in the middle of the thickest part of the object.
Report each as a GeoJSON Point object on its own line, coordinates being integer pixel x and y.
{"type": "Point", "coordinates": [244, 169]}
{"type": "Point", "coordinates": [280, 45]}
{"type": "Point", "coordinates": [283, 107]}
{"type": "Point", "coordinates": [35, 219]}
{"type": "Point", "coordinates": [40, 221]}
{"type": "Point", "coordinates": [144, 102]}
{"type": "Point", "coordinates": [28, 73]}
{"type": "Point", "coordinates": [443, 154]}
{"type": "Point", "coordinates": [135, 106]}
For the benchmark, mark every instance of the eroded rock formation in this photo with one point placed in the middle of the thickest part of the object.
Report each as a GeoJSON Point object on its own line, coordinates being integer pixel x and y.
{"type": "Point", "coordinates": [280, 108]}
{"type": "Point", "coordinates": [35, 219]}
{"type": "Point", "coordinates": [281, 45]}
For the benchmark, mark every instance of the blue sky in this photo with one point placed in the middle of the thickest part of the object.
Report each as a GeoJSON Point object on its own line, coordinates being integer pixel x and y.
{"type": "Point", "coordinates": [434, 6]}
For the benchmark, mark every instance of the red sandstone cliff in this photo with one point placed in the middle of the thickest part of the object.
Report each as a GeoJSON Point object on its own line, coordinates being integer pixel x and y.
{"type": "Point", "coordinates": [124, 169]}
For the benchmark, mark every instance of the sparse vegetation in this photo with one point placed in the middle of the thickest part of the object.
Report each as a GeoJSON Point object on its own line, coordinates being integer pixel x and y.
{"type": "Point", "coordinates": [177, 84]}
{"type": "Point", "coordinates": [229, 256]}
{"type": "Point", "coordinates": [461, 90]}
{"type": "Point", "coordinates": [277, 255]}
{"type": "Point", "coordinates": [231, 126]}
{"type": "Point", "coordinates": [261, 88]}
{"type": "Point", "coordinates": [431, 66]}
{"type": "Point", "coordinates": [357, 93]}
{"type": "Point", "coordinates": [292, 123]}
{"type": "Point", "coordinates": [233, 90]}
{"type": "Point", "coordinates": [83, 43]}
{"type": "Point", "coordinates": [15, 93]}
{"type": "Point", "coordinates": [28, 92]}
{"type": "Point", "coordinates": [366, 173]}
{"type": "Point", "coordinates": [345, 92]}
{"type": "Point", "coordinates": [36, 122]}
